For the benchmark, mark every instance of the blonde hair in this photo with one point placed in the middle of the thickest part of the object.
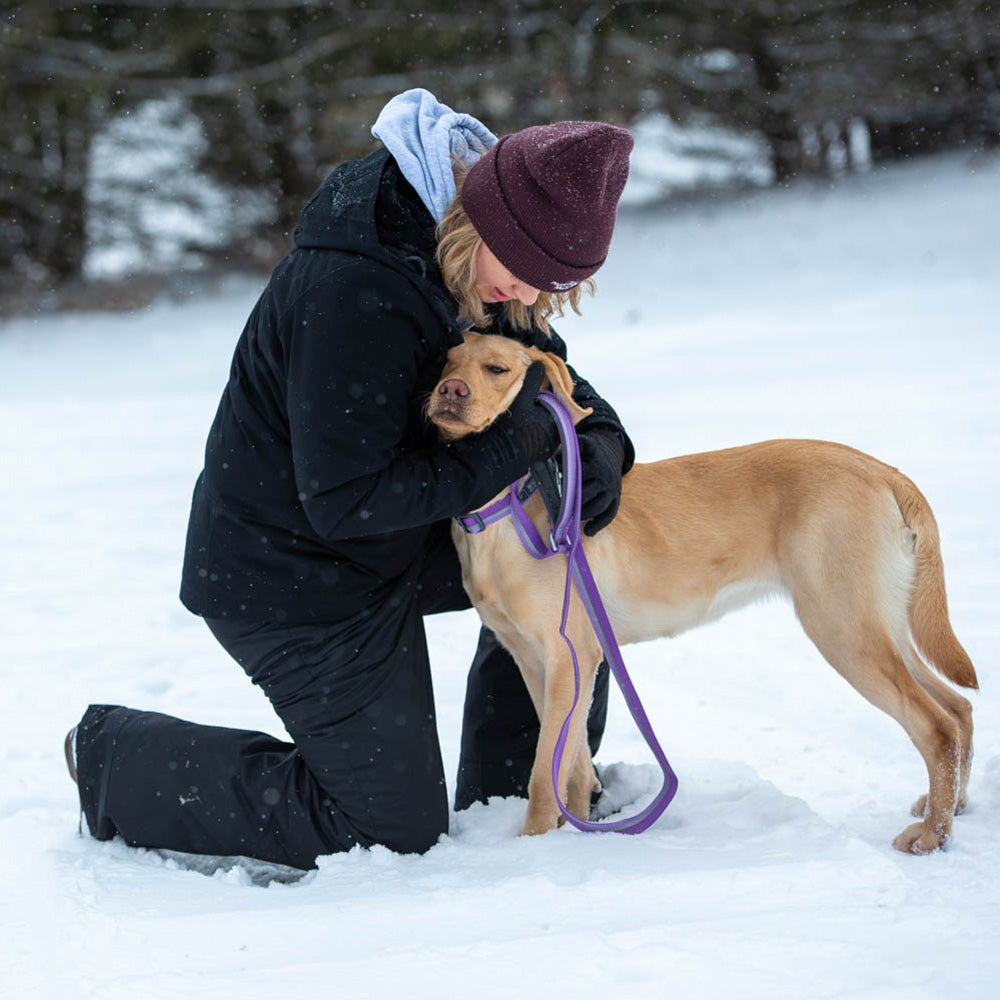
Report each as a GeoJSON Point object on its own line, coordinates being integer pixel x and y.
{"type": "Point", "coordinates": [458, 246]}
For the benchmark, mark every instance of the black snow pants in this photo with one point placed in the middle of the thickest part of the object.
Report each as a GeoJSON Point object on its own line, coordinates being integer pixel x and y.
{"type": "Point", "coordinates": [364, 765]}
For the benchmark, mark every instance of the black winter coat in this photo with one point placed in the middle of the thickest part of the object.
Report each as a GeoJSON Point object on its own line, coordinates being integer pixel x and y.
{"type": "Point", "coordinates": [322, 477]}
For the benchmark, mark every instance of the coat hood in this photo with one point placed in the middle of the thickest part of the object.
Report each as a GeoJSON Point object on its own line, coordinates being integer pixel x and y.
{"type": "Point", "coordinates": [367, 207]}
{"type": "Point", "coordinates": [341, 213]}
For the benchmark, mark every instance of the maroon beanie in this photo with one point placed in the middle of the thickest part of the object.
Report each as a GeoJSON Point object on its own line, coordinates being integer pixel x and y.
{"type": "Point", "coordinates": [544, 200]}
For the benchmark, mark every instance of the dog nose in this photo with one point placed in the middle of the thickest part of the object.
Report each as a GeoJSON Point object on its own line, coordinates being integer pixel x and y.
{"type": "Point", "coordinates": [453, 388]}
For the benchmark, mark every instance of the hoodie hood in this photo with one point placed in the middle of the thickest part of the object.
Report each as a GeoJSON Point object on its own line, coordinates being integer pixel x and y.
{"type": "Point", "coordinates": [426, 138]}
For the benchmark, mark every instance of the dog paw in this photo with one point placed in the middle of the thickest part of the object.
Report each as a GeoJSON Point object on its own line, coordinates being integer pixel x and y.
{"type": "Point", "coordinates": [918, 839]}
{"type": "Point", "coordinates": [536, 824]}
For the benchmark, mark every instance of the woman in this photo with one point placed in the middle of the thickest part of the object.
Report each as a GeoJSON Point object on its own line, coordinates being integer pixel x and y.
{"type": "Point", "coordinates": [319, 532]}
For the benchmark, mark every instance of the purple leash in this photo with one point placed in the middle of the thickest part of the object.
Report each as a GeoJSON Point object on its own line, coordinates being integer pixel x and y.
{"type": "Point", "coordinates": [566, 538]}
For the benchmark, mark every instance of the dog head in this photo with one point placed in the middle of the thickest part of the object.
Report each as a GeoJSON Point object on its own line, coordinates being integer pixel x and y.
{"type": "Point", "coordinates": [482, 376]}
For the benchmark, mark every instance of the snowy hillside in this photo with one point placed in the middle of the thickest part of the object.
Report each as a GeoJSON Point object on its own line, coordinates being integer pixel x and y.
{"type": "Point", "coordinates": [866, 313]}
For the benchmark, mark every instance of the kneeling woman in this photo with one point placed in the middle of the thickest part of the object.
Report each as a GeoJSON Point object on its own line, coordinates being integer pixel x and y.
{"type": "Point", "coordinates": [319, 533]}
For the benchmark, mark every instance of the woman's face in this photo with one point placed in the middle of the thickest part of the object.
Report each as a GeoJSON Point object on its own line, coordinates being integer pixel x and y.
{"type": "Point", "coordinates": [494, 283]}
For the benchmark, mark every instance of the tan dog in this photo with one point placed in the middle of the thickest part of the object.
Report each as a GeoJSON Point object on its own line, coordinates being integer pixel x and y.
{"type": "Point", "coordinates": [852, 541]}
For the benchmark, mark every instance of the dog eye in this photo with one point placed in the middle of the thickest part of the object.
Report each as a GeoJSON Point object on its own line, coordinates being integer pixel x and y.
{"type": "Point", "coordinates": [497, 369]}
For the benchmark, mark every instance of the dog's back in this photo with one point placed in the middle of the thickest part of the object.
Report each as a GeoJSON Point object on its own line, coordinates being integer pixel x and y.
{"type": "Point", "coordinates": [792, 516]}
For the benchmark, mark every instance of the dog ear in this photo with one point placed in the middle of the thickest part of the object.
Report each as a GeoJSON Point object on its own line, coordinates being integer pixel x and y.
{"type": "Point", "coordinates": [560, 382]}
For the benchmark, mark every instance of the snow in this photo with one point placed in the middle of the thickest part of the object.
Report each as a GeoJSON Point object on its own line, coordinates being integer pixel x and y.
{"type": "Point", "coordinates": [670, 158]}
{"type": "Point", "coordinates": [864, 313]}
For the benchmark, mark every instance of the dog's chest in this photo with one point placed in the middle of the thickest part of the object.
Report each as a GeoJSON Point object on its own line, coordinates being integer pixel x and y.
{"type": "Point", "coordinates": [482, 574]}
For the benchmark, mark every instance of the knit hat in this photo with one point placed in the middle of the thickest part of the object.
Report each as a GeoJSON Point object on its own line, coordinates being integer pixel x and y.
{"type": "Point", "coordinates": [544, 200]}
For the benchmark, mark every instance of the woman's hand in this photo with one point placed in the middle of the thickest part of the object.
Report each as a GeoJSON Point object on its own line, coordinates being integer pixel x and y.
{"type": "Point", "coordinates": [601, 456]}
{"type": "Point", "coordinates": [532, 422]}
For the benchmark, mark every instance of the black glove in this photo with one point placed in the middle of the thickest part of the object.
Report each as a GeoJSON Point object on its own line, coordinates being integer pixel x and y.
{"type": "Point", "coordinates": [530, 422]}
{"type": "Point", "coordinates": [602, 456]}
{"type": "Point", "coordinates": [525, 434]}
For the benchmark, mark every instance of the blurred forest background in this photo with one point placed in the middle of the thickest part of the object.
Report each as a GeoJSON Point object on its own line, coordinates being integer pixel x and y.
{"type": "Point", "coordinates": [152, 138]}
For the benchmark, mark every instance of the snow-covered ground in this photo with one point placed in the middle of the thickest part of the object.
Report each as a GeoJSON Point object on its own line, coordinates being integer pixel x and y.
{"type": "Point", "coordinates": [866, 314]}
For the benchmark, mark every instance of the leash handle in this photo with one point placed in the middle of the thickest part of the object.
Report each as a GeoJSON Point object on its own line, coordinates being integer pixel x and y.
{"type": "Point", "coordinates": [566, 538]}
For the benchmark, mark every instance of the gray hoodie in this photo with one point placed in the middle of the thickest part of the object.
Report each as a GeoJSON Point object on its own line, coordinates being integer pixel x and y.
{"type": "Point", "coordinates": [424, 137]}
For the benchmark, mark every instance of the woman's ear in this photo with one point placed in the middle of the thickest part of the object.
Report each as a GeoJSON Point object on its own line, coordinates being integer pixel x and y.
{"type": "Point", "coordinates": [560, 382]}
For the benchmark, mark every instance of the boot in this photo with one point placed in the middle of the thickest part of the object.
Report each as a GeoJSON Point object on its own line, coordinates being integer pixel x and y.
{"type": "Point", "coordinates": [70, 747]}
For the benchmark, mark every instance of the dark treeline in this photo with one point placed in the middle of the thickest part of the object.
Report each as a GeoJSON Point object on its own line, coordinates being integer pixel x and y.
{"type": "Point", "coordinates": [286, 89]}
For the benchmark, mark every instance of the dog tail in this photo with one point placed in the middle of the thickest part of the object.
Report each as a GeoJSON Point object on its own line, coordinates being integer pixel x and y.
{"type": "Point", "coordinates": [928, 607]}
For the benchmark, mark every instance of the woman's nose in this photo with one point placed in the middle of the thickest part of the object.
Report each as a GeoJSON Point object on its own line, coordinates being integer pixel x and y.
{"type": "Point", "coordinates": [526, 295]}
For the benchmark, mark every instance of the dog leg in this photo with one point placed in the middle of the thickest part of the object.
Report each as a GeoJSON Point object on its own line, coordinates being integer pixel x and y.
{"type": "Point", "coordinates": [583, 782]}
{"type": "Point", "coordinates": [870, 660]}
{"type": "Point", "coordinates": [540, 669]}
{"type": "Point", "coordinates": [576, 791]}
{"type": "Point", "coordinates": [961, 711]}
{"type": "Point", "coordinates": [543, 811]}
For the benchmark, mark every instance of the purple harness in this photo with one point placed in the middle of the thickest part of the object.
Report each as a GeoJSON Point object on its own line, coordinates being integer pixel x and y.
{"type": "Point", "coordinates": [565, 538]}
